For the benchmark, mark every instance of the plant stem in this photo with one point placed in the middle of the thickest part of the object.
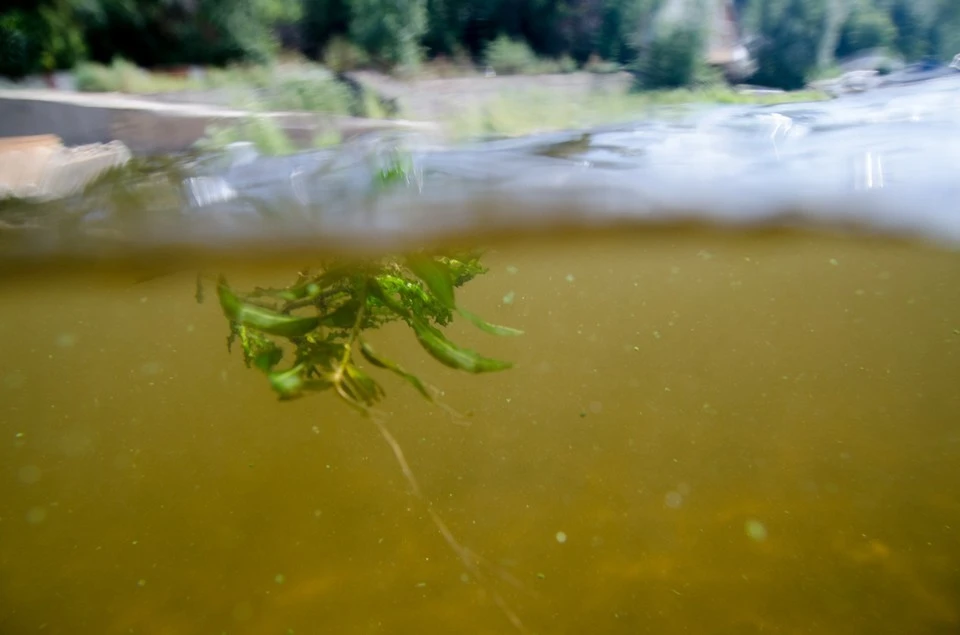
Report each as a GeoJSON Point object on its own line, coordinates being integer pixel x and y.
{"type": "Point", "coordinates": [467, 557]}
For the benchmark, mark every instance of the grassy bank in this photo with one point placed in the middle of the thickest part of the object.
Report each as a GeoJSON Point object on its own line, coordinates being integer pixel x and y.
{"type": "Point", "coordinates": [517, 114]}
{"type": "Point", "coordinates": [539, 111]}
{"type": "Point", "coordinates": [296, 85]}
{"type": "Point", "coordinates": [292, 86]}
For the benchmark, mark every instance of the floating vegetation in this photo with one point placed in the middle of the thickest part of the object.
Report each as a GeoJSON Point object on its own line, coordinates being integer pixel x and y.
{"type": "Point", "coordinates": [319, 323]}
{"type": "Point", "coordinates": [320, 320]}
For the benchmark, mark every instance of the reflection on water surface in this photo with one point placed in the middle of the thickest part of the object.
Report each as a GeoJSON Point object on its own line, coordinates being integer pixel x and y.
{"type": "Point", "coordinates": [703, 433]}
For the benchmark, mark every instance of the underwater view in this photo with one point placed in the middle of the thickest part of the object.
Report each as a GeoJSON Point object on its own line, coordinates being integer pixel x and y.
{"type": "Point", "coordinates": [495, 400]}
{"type": "Point", "coordinates": [701, 433]}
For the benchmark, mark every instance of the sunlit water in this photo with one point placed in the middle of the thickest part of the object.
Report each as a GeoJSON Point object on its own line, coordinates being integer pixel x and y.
{"type": "Point", "coordinates": [705, 431]}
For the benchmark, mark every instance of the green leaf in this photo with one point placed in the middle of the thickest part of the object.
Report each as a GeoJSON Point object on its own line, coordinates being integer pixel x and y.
{"type": "Point", "coordinates": [377, 291]}
{"type": "Point", "coordinates": [254, 344]}
{"type": "Point", "coordinates": [486, 326]}
{"type": "Point", "coordinates": [381, 362]}
{"type": "Point", "coordinates": [465, 269]}
{"type": "Point", "coordinates": [343, 317]}
{"type": "Point", "coordinates": [289, 384]}
{"type": "Point", "coordinates": [414, 297]}
{"type": "Point", "coordinates": [260, 318]}
{"type": "Point", "coordinates": [302, 291]}
{"type": "Point", "coordinates": [322, 353]}
{"type": "Point", "coordinates": [437, 277]}
{"type": "Point", "coordinates": [229, 301]}
{"type": "Point", "coordinates": [306, 287]}
{"type": "Point", "coordinates": [449, 354]}
{"type": "Point", "coordinates": [267, 358]}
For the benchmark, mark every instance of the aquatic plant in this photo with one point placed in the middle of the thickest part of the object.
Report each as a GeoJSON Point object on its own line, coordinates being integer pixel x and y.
{"type": "Point", "coordinates": [323, 315]}
{"type": "Point", "coordinates": [322, 318]}
{"type": "Point", "coordinates": [319, 322]}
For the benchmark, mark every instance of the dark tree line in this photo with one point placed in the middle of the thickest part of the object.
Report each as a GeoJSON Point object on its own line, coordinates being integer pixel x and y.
{"type": "Point", "coordinates": [791, 39]}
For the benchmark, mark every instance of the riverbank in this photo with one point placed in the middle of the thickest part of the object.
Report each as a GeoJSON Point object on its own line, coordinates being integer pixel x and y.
{"type": "Point", "coordinates": [287, 120]}
{"type": "Point", "coordinates": [481, 106]}
{"type": "Point", "coordinates": [149, 126]}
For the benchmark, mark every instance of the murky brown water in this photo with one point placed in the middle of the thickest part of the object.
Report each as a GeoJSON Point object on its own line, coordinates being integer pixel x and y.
{"type": "Point", "coordinates": [703, 434]}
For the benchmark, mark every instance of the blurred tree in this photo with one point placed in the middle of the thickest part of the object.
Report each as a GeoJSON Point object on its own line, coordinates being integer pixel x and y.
{"type": "Point", "coordinates": [240, 29]}
{"type": "Point", "coordinates": [672, 58]}
{"type": "Point", "coordinates": [790, 33]}
{"type": "Point", "coordinates": [389, 29]}
{"type": "Point", "coordinates": [607, 28]}
{"type": "Point", "coordinates": [837, 13]}
{"type": "Point", "coordinates": [866, 28]}
{"type": "Point", "coordinates": [945, 35]}
{"type": "Point", "coordinates": [794, 37]}
{"type": "Point", "coordinates": [624, 26]}
{"type": "Point", "coordinates": [322, 20]}
{"type": "Point", "coordinates": [579, 27]}
{"type": "Point", "coordinates": [167, 32]}
{"type": "Point", "coordinates": [454, 26]}
{"type": "Point", "coordinates": [913, 29]}
{"type": "Point", "coordinates": [37, 37]}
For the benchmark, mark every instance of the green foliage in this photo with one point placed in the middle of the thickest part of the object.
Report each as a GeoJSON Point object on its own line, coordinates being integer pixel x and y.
{"type": "Point", "coordinates": [672, 59]}
{"type": "Point", "coordinates": [625, 24]}
{"type": "Point", "coordinates": [95, 78]}
{"type": "Point", "coordinates": [63, 44]}
{"type": "Point", "coordinates": [553, 29]}
{"type": "Point", "coordinates": [369, 105]}
{"type": "Point", "coordinates": [913, 29]}
{"type": "Point", "coordinates": [311, 95]}
{"type": "Point", "coordinates": [342, 55]}
{"type": "Point", "coordinates": [44, 38]}
{"type": "Point", "coordinates": [123, 77]}
{"type": "Point", "coordinates": [509, 57]}
{"type": "Point", "coordinates": [446, 26]}
{"type": "Point", "coordinates": [601, 67]}
{"type": "Point", "coordinates": [18, 43]}
{"type": "Point", "coordinates": [152, 33]}
{"type": "Point", "coordinates": [267, 88]}
{"type": "Point", "coordinates": [567, 64]}
{"type": "Point", "coordinates": [827, 72]}
{"type": "Point", "coordinates": [262, 131]}
{"type": "Point", "coordinates": [709, 77]}
{"type": "Point", "coordinates": [513, 36]}
{"type": "Point", "coordinates": [790, 31]}
{"type": "Point", "coordinates": [531, 111]}
{"type": "Point", "coordinates": [866, 29]}
{"type": "Point", "coordinates": [945, 38]}
{"type": "Point", "coordinates": [390, 29]}
{"type": "Point", "coordinates": [320, 322]}
{"type": "Point", "coordinates": [235, 75]}
{"type": "Point", "coordinates": [515, 57]}
{"type": "Point", "coordinates": [323, 21]}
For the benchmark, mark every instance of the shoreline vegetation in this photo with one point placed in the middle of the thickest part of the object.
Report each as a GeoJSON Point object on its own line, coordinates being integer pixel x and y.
{"type": "Point", "coordinates": [578, 63]}
{"type": "Point", "coordinates": [510, 114]}
{"type": "Point", "coordinates": [465, 103]}
{"type": "Point", "coordinates": [397, 59]}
